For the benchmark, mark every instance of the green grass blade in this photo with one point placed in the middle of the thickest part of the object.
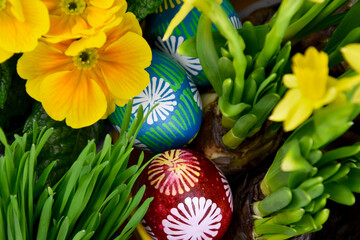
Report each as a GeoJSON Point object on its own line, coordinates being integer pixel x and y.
{"type": "Point", "coordinates": [45, 219]}
{"type": "Point", "coordinates": [79, 235]}
{"type": "Point", "coordinates": [40, 183]}
{"type": "Point", "coordinates": [134, 220]}
{"type": "Point", "coordinates": [63, 230]}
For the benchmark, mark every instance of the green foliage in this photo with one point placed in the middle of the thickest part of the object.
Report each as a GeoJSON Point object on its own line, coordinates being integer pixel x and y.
{"type": "Point", "coordinates": [302, 171]}
{"type": "Point", "coordinates": [92, 199]}
{"type": "Point", "coordinates": [264, 52]}
{"type": "Point", "coordinates": [64, 145]}
{"type": "Point", "coordinates": [5, 82]}
{"type": "Point", "coordinates": [141, 8]}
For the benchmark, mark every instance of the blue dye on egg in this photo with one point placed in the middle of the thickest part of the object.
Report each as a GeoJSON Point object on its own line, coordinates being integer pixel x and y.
{"type": "Point", "coordinates": [176, 120]}
{"type": "Point", "coordinates": [157, 23]}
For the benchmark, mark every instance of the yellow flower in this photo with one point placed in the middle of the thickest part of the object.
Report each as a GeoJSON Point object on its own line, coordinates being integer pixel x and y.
{"type": "Point", "coordinates": [82, 80]}
{"type": "Point", "coordinates": [22, 22]}
{"type": "Point", "coordinates": [310, 89]}
{"type": "Point", "coordinates": [71, 19]}
{"type": "Point", "coordinates": [351, 54]}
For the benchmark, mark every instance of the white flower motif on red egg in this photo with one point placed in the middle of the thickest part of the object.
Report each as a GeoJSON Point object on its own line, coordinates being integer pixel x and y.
{"type": "Point", "coordinates": [157, 92]}
{"type": "Point", "coordinates": [227, 189]}
{"type": "Point", "coordinates": [174, 172]}
{"type": "Point", "coordinates": [197, 219]}
{"type": "Point", "coordinates": [169, 47]}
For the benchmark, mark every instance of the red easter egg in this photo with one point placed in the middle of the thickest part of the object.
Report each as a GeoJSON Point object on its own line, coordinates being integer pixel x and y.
{"type": "Point", "coordinates": [192, 198]}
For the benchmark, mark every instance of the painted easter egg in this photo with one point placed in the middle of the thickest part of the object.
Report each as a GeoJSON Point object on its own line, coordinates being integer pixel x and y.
{"type": "Point", "coordinates": [176, 119]}
{"type": "Point", "coordinates": [192, 198]}
{"type": "Point", "coordinates": [157, 23]}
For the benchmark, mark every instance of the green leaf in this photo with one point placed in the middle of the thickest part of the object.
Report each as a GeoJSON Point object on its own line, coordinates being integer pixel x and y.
{"type": "Point", "coordinates": [339, 153]}
{"type": "Point", "coordinates": [294, 161]}
{"type": "Point", "coordinates": [288, 216]}
{"type": "Point", "coordinates": [305, 225]}
{"type": "Point", "coordinates": [134, 220]}
{"type": "Point", "coordinates": [269, 228]}
{"type": "Point", "coordinates": [321, 217]}
{"type": "Point", "coordinates": [349, 22]}
{"type": "Point", "coordinates": [6, 70]}
{"type": "Point", "coordinates": [141, 8]}
{"type": "Point", "coordinates": [273, 202]}
{"type": "Point", "coordinates": [63, 230]}
{"type": "Point", "coordinates": [300, 199]}
{"type": "Point", "coordinates": [64, 145]}
{"type": "Point", "coordinates": [79, 235]}
{"type": "Point", "coordinates": [45, 219]}
{"type": "Point", "coordinates": [207, 54]}
{"type": "Point", "coordinates": [340, 193]}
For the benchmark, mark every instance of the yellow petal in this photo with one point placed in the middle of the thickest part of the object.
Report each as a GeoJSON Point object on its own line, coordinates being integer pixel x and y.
{"type": "Point", "coordinates": [346, 84]}
{"type": "Point", "coordinates": [17, 10]}
{"type": "Point", "coordinates": [311, 71]}
{"type": "Point", "coordinates": [282, 109]}
{"type": "Point", "coordinates": [95, 41]}
{"type": "Point", "coordinates": [290, 81]}
{"type": "Point", "coordinates": [297, 115]}
{"type": "Point", "coordinates": [17, 36]}
{"type": "Point", "coordinates": [330, 96]}
{"type": "Point", "coordinates": [356, 96]}
{"type": "Point", "coordinates": [351, 54]}
{"type": "Point", "coordinates": [123, 65]}
{"type": "Point", "coordinates": [97, 17]}
{"type": "Point", "coordinates": [51, 4]}
{"type": "Point", "coordinates": [44, 60]}
{"type": "Point", "coordinates": [177, 19]}
{"type": "Point", "coordinates": [33, 87]}
{"type": "Point", "coordinates": [4, 55]}
{"type": "Point", "coordinates": [73, 96]}
{"type": "Point", "coordinates": [102, 3]}
{"type": "Point", "coordinates": [128, 23]}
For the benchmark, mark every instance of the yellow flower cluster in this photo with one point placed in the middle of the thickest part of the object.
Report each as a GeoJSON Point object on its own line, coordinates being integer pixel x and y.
{"type": "Point", "coordinates": [80, 57]}
{"type": "Point", "coordinates": [310, 87]}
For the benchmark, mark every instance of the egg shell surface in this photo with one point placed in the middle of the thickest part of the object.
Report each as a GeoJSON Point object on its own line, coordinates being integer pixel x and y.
{"type": "Point", "coordinates": [176, 120]}
{"type": "Point", "coordinates": [157, 23]}
{"type": "Point", "coordinates": [192, 198]}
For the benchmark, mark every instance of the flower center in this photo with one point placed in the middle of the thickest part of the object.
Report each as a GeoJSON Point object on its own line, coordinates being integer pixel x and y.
{"type": "Point", "coordinates": [73, 7]}
{"type": "Point", "coordinates": [2, 4]}
{"type": "Point", "coordinates": [86, 59]}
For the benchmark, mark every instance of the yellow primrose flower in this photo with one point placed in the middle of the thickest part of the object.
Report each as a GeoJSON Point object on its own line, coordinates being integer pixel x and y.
{"type": "Point", "coordinates": [310, 89]}
{"type": "Point", "coordinates": [22, 22]}
{"type": "Point", "coordinates": [82, 80]}
{"type": "Point", "coordinates": [71, 19]}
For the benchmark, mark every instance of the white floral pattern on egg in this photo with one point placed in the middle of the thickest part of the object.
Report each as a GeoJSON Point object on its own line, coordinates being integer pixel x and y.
{"type": "Point", "coordinates": [192, 198]}
{"type": "Point", "coordinates": [177, 110]}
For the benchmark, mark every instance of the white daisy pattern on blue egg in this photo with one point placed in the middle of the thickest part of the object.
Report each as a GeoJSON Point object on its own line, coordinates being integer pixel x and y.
{"type": "Point", "coordinates": [176, 119]}
{"type": "Point", "coordinates": [195, 92]}
{"type": "Point", "coordinates": [170, 46]}
{"type": "Point", "coordinates": [157, 92]}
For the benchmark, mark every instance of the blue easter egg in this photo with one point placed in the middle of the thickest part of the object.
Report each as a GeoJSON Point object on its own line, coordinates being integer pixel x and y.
{"type": "Point", "coordinates": [176, 120]}
{"type": "Point", "coordinates": [157, 23]}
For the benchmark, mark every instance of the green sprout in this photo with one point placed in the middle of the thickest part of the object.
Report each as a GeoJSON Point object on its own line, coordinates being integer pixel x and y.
{"type": "Point", "coordinates": [92, 200]}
